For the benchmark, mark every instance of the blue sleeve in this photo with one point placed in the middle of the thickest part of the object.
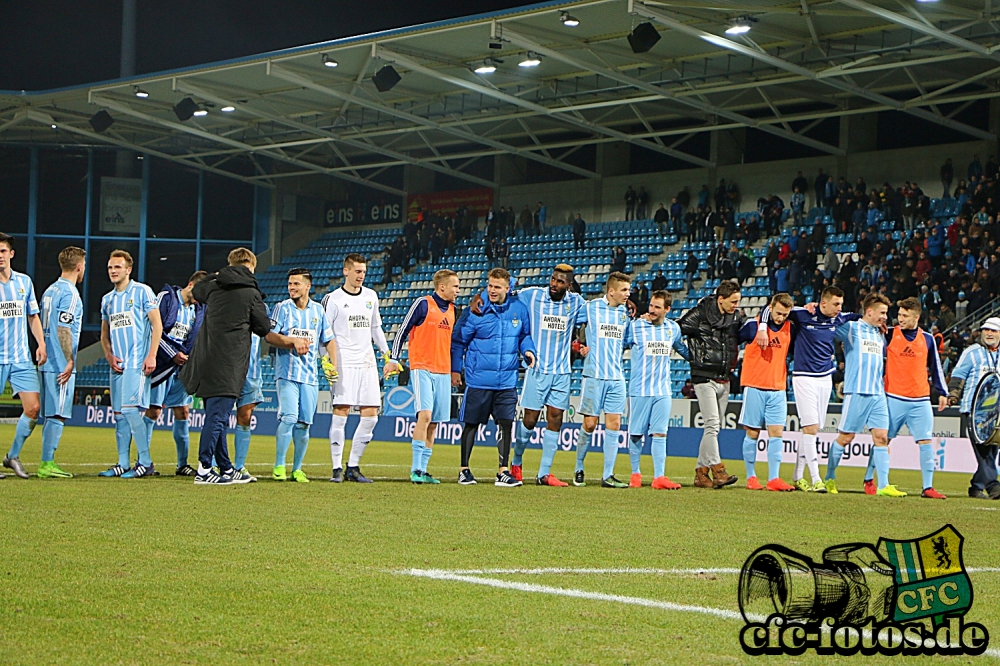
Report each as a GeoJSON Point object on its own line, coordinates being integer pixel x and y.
{"type": "Point", "coordinates": [526, 343]}
{"type": "Point", "coordinates": [964, 366]}
{"type": "Point", "coordinates": [748, 331]}
{"type": "Point", "coordinates": [582, 317]}
{"type": "Point", "coordinates": [934, 368]}
{"type": "Point", "coordinates": [168, 309]}
{"type": "Point", "coordinates": [415, 317]}
{"type": "Point", "coordinates": [843, 333]}
{"type": "Point", "coordinates": [460, 337]}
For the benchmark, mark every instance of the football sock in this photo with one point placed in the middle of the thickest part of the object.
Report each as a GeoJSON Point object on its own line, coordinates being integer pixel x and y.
{"type": "Point", "coordinates": [550, 442]}
{"type": "Point", "coordinates": [635, 452]}
{"type": "Point", "coordinates": [468, 441]}
{"type": "Point", "coordinates": [926, 462]}
{"type": "Point", "coordinates": [610, 452]}
{"type": "Point", "coordinates": [149, 430]}
{"type": "Point", "coordinates": [123, 440]}
{"type": "Point", "coordinates": [362, 437]}
{"type": "Point", "coordinates": [282, 440]}
{"type": "Point", "coordinates": [425, 457]}
{"type": "Point", "coordinates": [749, 454]}
{"type": "Point", "coordinates": [800, 461]}
{"type": "Point", "coordinates": [24, 428]}
{"type": "Point", "coordinates": [505, 430]}
{"type": "Point", "coordinates": [582, 446]}
{"type": "Point", "coordinates": [520, 443]}
{"type": "Point", "coordinates": [53, 429]}
{"type": "Point", "coordinates": [870, 472]}
{"type": "Point", "coordinates": [300, 435]}
{"type": "Point", "coordinates": [338, 425]}
{"type": "Point", "coordinates": [659, 451]}
{"type": "Point", "coordinates": [836, 451]}
{"type": "Point", "coordinates": [811, 456]}
{"type": "Point", "coordinates": [181, 440]}
{"type": "Point", "coordinates": [881, 455]}
{"type": "Point", "coordinates": [241, 446]}
{"type": "Point", "coordinates": [418, 455]}
{"type": "Point", "coordinates": [139, 434]}
{"type": "Point", "coordinates": [774, 448]}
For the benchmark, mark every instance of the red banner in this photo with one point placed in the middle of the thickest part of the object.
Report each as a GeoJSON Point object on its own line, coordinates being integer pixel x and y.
{"type": "Point", "coordinates": [479, 201]}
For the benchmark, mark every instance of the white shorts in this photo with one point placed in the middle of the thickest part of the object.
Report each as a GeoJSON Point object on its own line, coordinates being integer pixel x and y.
{"type": "Point", "coordinates": [358, 387]}
{"type": "Point", "coordinates": [812, 398]}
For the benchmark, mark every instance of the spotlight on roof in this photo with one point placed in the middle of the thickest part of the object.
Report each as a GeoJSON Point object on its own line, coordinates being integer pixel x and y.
{"type": "Point", "coordinates": [228, 109]}
{"type": "Point", "coordinates": [185, 108]}
{"type": "Point", "coordinates": [385, 78]}
{"type": "Point", "coordinates": [643, 37]}
{"type": "Point", "coordinates": [532, 59]}
{"type": "Point", "coordinates": [329, 62]}
{"type": "Point", "coordinates": [54, 126]}
{"type": "Point", "coordinates": [101, 121]}
{"type": "Point", "coordinates": [139, 92]}
{"type": "Point", "coordinates": [740, 26]}
{"type": "Point", "coordinates": [488, 67]}
{"type": "Point", "coordinates": [569, 21]}
{"type": "Point", "coordinates": [200, 113]}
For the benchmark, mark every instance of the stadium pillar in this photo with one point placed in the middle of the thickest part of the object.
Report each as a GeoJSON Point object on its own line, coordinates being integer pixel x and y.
{"type": "Point", "coordinates": [509, 169]}
{"type": "Point", "coordinates": [725, 147]}
{"type": "Point", "coordinates": [858, 134]}
{"type": "Point", "coordinates": [613, 159]}
{"type": "Point", "coordinates": [417, 179]}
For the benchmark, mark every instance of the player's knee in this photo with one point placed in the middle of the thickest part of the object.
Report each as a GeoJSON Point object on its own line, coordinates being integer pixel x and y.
{"type": "Point", "coordinates": [659, 434]}
{"type": "Point", "coordinates": [289, 419]}
{"type": "Point", "coordinates": [31, 411]}
{"type": "Point", "coordinates": [153, 413]}
{"type": "Point", "coordinates": [181, 413]}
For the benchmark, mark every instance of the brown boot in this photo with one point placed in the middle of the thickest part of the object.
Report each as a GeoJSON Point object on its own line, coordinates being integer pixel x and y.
{"type": "Point", "coordinates": [720, 477]}
{"type": "Point", "coordinates": [701, 479]}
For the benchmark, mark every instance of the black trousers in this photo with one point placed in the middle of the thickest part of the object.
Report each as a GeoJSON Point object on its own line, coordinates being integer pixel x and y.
{"type": "Point", "coordinates": [985, 477]}
{"type": "Point", "coordinates": [213, 433]}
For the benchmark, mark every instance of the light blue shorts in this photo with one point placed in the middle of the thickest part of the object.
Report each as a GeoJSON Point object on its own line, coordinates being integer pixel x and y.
{"type": "Point", "coordinates": [22, 377]}
{"type": "Point", "coordinates": [542, 389]}
{"type": "Point", "coordinates": [170, 393]}
{"type": "Point", "coordinates": [917, 416]}
{"type": "Point", "coordinates": [57, 400]}
{"type": "Point", "coordinates": [432, 393]}
{"type": "Point", "coordinates": [763, 408]}
{"type": "Point", "coordinates": [602, 395]}
{"type": "Point", "coordinates": [129, 388]}
{"type": "Point", "coordinates": [649, 415]}
{"type": "Point", "coordinates": [862, 410]}
{"type": "Point", "coordinates": [297, 401]}
{"type": "Point", "coordinates": [251, 394]}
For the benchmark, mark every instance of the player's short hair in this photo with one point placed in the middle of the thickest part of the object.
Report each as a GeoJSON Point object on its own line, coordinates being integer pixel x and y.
{"type": "Point", "coordinates": [727, 288]}
{"type": "Point", "coordinates": [499, 274]}
{"type": "Point", "coordinates": [354, 258]}
{"type": "Point", "coordinates": [304, 272]}
{"type": "Point", "coordinates": [122, 254]}
{"type": "Point", "coordinates": [443, 275]}
{"type": "Point", "coordinates": [563, 268]}
{"type": "Point", "coordinates": [197, 277]}
{"type": "Point", "coordinates": [242, 257]}
{"type": "Point", "coordinates": [618, 277]}
{"type": "Point", "coordinates": [8, 239]}
{"type": "Point", "coordinates": [912, 304]}
{"type": "Point", "coordinates": [782, 299]}
{"type": "Point", "coordinates": [874, 298]}
{"type": "Point", "coordinates": [70, 257]}
{"type": "Point", "coordinates": [665, 296]}
{"type": "Point", "coordinates": [831, 292]}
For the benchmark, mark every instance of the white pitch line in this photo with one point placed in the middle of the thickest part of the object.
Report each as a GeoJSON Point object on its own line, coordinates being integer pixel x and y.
{"type": "Point", "coordinates": [561, 570]}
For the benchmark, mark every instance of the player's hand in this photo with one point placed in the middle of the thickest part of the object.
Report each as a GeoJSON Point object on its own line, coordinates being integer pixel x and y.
{"type": "Point", "coordinates": [530, 358]}
{"type": "Point", "coordinates": [391, 368]}
{"type": "Point", "coordinates": [476, 305]}
{"type": "Point", "coordinates": [952, 401]}
{"type": "Point", "coordinates": [456, 379]}
{"type": "Point", "coordinates": [115, 363]}
{"type": "Point", "coordinates": [67, 372]}
{"type": "Point", "coordinates": [942, 403]}
{"type": "Point", "coordinates": [301, 346]}
{"type": "Point", "coordinates": [761, 339]}
{"type": "Point", "coordinates": [584, 350]}
{"type": "Point", "coordinates": [646, 317]}
{"type": "Point", "coordinates": [632, 309]}
{"type": "Point", "coordinates": [329, 370]}
{"type": "Point", "coordinates": [41, 354]}
{"type": "Point", "coordinates": [149, 364]}
{"type": "Point", "coordinates": [180, 358]}
{"type": "Point", "coordinates": [810, 308]}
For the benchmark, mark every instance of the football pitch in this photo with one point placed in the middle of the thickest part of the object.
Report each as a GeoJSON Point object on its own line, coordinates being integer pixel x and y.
{"type": "Point", "coordinates": [158, 571]}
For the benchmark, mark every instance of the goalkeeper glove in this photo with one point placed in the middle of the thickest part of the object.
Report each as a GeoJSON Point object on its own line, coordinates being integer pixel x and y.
{"type": "Point", "coordinates": [387, 358]}
{"type": "Point", "coordinates": [329, 370]}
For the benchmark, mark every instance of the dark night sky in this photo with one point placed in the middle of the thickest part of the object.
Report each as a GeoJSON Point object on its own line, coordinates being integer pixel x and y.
{"type": "Point", "coordinates": [52, 43]}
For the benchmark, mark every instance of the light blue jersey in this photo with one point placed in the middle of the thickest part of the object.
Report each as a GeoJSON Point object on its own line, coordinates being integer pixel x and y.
{"type": "Point", "coordinates": [864, 352]}
{"type": "Point", "coordinates": [974, 362]}
{"type": "Point", "coordinates": [608, 333]}
{"type": "Point", "coordinates": [17, 302]}
{"type": "Point", "coordinates": [309, 323]}
{"type": "Point", "coordinates": [61, 308]}
{"type": "Point", "coordinates": [651, 349]}
{"type": "Point", "coordinates": [552, 325]}
{"type": "Point", "coordinates": [253, 370]}
{"type": "Point", "coordinates": [126, 313]}
{"type": "Point", "coordinates": [182, 325]}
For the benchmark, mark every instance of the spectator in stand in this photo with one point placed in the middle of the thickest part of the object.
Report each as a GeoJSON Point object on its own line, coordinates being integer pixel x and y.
{"type": "Point", "coordinates": [975, 171]}
{"type": "Point", "coordinates": [864, 246]}
{"type": "Point", "coordinates": [629, 204]}
{"type": "Point", "coordinates": [662, 218]}
{"type": "Point", "coordinates": [676, 212]}
{"type": "Point", "coordinates": [745, 265]}
{"type": "Point", "coordinates": [490, 250]}
{"type": "Point", "coordinates": [579, 232]}
{"type": "Point", "coordinates": [781, 278]}
{"type": "Point", "coordinates": [688, 390]}
{"type": "Point", "coordinates": [720, 196]}
{"type": "Point", "coordinates": [733, 196]}
{"type": "Point", "coordinates": [800, 183]}
{"type": "Point", "coordinates": [819, 185]}
{"type": "Point", "coordinates": [947, 175]}
{"type": "Point", "coordinates": [691, 269]}
{"type": "Point", "coordinates": [753, 229]}
{"type": "Point", "coordinates": [659, 282]}
{"type": "Point", "coordinates": [684, 198]}
{"type": "Point", "coordinates": [502, 252]}
{"type": "Point", "coordinates": [794, 275]}
{"type": "Point", "coordinates": [641, 203]}
{"type": "Point", "coordinates": [798, 202]}
{"type": "Point", "coordinates": [525, 223]}
{"type": "Point", "coordinates": [990, 170]}
{"type": "Point", "coordinates": [703, 195]}
{"type": "Point", "coordinates": [718, 223]}
{"type": "Point", "coordinates": [935, 244]}
{"type": "Point", "coordinates": [541, 213]}
{"type": "Point", "coordinates": [873, 215]}
{"type": "Point", "coordinates": [642, 304]}
{"type": "Point", "coordinates": [961, 306]}
{"type": "Point", "coordinates": [618, 259]}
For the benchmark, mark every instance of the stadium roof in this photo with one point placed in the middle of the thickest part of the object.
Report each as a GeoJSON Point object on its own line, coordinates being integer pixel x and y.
{"type": "Point", "coordinates": [801, 62]}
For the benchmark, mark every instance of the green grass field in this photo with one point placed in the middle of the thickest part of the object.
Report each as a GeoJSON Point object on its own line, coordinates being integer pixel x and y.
{"type": "Point", "coordinates": [158, 571]}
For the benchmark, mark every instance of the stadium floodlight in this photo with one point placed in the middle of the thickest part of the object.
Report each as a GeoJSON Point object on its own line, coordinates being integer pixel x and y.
{"type": "Point", "coordinates": [643, 37]}
{"type": "Point", "coordinates": [139, 92]}
{"type": "Point", "coordinates": [329, 62]}
{"type": "Point", "coordinates": [101, 121]}
{"type": "Point", "coordinates": [200, 113]}
{"type": "Point", "coordinates": [54, 126]}
{"type": "Point", "coordinates": [385, 78]}
{"type": "Point", "coordinates": [488, 67]}
{"type": "Point", "coordinates": [740, 26]}
{"type": "Point", "coordinates": [185, 108]}
{"type": "Point", "coordinates": [532, 59]}
{"type": "Point", "coordinates": [228, 109]}
{"type": "Point", "coordinates": [569, 21]}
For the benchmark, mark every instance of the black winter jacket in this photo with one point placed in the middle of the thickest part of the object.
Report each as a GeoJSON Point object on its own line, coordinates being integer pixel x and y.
{"type": "Point", "coordinates": [234, 308]}
{"type": "Point", "coordinates": [712, 338]}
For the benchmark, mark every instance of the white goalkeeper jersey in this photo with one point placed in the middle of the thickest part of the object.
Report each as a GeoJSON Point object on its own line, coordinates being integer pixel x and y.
{"type": "Point", "coordinates": [356, 323]}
